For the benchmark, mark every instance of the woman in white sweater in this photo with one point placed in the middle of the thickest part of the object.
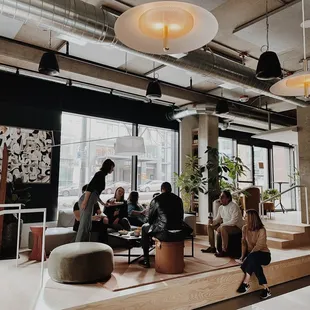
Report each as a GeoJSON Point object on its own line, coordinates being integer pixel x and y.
{"type": "Point", "coordinates": [255, 253]}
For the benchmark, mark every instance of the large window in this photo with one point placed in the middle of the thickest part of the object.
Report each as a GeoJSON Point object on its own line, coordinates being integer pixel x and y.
{"type": "Point", "coordinates": [283, 165]}
{"type": "Point", "coordinates": [261, 167]}
{"type": "Point", "coordinates": [87, 141]}
{"type": "Point", "coordinates": [245, 154]}
{"type": "Point", "coordinates": [159, 162]}
{"type": "Point", "coordinates": [79, 160]}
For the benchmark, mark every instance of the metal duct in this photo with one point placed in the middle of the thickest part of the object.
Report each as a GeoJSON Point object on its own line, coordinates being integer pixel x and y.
{"type": "Point", "coordinates": [231, 116]}
{"type": "Point", "coordinates": [80, 19]}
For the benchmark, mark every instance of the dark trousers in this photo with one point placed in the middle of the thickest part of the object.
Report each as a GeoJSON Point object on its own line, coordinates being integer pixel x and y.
{"type": "Point", "coordinates": [254, 263]}
{"type": "Point", "coordinates": [122, 224]}
{"type": "Point", "coordinates": [165, 235]}
{"type": "Point", "coordinates": [101, 229]}
{"type": "Point", "coordinates": [135, 221]}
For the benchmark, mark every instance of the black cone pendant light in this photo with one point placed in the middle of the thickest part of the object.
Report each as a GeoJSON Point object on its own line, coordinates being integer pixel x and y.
{"type": "Point", "coordinates": [222, 105]}
{"type": "Point", "coordinates": [153, 90]}
{"type": "Point", "coordinates": [48, 63]}
{"type": "Point", "coordinates": [268, 67]}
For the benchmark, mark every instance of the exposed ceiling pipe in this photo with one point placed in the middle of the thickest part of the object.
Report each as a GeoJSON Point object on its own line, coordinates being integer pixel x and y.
{"type": "Point", "coordinates": [234, 116]}
{"type": "Point", "coordinates": [84, 21]}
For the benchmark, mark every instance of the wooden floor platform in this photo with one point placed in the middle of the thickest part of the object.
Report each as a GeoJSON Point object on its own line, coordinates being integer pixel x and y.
{"type": "Point", "coordinates": [199, 290]}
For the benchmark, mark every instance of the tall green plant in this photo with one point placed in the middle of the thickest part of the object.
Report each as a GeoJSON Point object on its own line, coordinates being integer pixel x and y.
{"type": "Point", "coordinates": [191, 181]}
{"type": "Point", "coordinates": [224, 169]}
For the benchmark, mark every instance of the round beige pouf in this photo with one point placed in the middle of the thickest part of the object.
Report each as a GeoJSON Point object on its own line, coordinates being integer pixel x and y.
{"type": "Point", "coordinates": [81, 262]}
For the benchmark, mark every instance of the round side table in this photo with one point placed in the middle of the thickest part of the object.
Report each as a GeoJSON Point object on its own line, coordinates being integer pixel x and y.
{"type": "Point", "coordinates": [37, 233]}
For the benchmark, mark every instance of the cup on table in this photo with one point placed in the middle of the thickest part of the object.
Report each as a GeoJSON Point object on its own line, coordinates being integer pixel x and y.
{"type": "Point", "coordinates": [137, 233]}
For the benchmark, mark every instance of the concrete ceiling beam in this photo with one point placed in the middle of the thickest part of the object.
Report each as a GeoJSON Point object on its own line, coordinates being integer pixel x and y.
{"type": "Point", "coordinates": [114, 78]}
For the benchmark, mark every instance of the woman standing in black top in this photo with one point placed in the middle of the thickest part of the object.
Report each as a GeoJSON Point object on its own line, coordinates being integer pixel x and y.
{"type": "Point", "coordinates": [90, 197]}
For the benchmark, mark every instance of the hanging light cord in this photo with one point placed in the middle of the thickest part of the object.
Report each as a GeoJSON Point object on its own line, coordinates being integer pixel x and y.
{"type": "Point", "coordinates": [304, 29]}
{"type": "Point", "coordinates": [267, 26]}
{"type": "Point", "coordinates": [50, 42]}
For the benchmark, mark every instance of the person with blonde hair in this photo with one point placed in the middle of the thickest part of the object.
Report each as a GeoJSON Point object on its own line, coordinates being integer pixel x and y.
{"type": "Point", "coordinates": [255, 253]}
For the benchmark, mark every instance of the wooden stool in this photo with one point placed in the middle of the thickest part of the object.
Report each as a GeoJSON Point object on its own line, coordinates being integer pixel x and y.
{"type": "Point", "coordinates": [169, 257]}
{"type": "Point", "coordinates": [36, 253]}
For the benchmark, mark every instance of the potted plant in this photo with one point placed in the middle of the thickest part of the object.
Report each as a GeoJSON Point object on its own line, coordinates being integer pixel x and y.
{"type": "Point", "coordinates": [224, 171]}
{"type": "Point", "coordinates": [267, 194]}
{"type": "Point", "coordinates": [190, 182]}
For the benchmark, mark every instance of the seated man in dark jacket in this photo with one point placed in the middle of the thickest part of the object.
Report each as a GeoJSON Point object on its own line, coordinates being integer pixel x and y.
{"type": "Point", "coordinates": [165, 221]}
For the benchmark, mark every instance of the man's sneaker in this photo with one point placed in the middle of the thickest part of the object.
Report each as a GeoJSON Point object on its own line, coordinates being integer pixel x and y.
{"type": "Point", "coordinates": [145, 263]}
{"type": "Point", "coordinates": [209, 250]}
{"type": "Point", "coordinates": [265, 293]}
{"type": "Point", "coordinates": [243, 288]}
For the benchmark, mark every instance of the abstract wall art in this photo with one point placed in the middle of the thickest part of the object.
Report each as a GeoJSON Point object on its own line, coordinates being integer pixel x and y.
{"type": "Point", "coordinates": [30, 153]}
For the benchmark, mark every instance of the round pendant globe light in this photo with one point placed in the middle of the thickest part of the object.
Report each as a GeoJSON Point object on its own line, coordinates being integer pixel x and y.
{"type": "Point", "coordinates": [48, 64]}
{"type": "Point", "coordinates": [297, 84]}
{"type": "Point", "coordinates": [166, 27]}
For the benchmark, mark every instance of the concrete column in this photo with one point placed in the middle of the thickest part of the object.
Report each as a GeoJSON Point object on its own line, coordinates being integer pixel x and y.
{"type": "Point", "coordinates": [303, 123]}
{"type": "Point", "coordinates": [208, 136]}
{"type": "Point", "coordinates": [187, 125]}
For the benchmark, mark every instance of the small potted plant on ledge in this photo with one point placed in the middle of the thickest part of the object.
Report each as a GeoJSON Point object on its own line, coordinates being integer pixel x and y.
{"type": "Point", "coordinates": [267, 194]}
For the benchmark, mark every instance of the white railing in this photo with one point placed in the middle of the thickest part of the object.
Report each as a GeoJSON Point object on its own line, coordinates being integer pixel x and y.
{"type": "Point", "coordinates": [261, 204]}
{"type": "Point", "coordinates": [19, 211]}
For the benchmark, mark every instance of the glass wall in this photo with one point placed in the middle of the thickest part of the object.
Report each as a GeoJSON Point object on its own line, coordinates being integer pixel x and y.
{"type": "Point", "coordinates": [261, 167]}
{"type": "Point", "coordinates": [159, 162]}
{"type": "Point", "coordinates": [245, 154]}
{"type": "Point", "coordinates": [283, 167]}
{"type": "Point", "coordinates": [79, 160]}
{"type": "Point", "coordinates": [278, 172]}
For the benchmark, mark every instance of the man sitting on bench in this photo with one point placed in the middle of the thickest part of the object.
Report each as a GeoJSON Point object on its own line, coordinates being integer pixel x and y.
{"type": "Point", "coordinates": [228, 221]}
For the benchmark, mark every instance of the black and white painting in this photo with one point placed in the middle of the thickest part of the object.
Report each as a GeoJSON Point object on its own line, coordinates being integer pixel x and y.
{"type": "Point", "coordinates": [30, 153]}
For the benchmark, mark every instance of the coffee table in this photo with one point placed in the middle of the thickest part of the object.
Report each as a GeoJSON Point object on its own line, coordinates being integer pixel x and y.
{"type": "Point", "coordinates": [134, 242]}
{"type": "Point", "coordinates": [131, 242]}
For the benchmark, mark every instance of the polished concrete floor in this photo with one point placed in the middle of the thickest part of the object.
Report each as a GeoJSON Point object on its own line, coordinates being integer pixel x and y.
{"type": "Point", "coordinates": [291, 295]}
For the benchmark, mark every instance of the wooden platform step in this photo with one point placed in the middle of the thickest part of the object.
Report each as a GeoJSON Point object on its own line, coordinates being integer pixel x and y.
{"type": "Point", "coordinates": [287, 227]}
{"type": "Point", "coordinates": [289, 235]}
{"type": "Point", "coordinates": [278, 243]}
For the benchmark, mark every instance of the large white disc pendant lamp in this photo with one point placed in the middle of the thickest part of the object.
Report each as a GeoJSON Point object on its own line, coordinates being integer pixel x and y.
{"type": "Point", "coordinates": [297, 84]}
{"type": "Point", "coordinates": [129, 146]}
{"type": "Point", "coordinates": [166, 27]}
